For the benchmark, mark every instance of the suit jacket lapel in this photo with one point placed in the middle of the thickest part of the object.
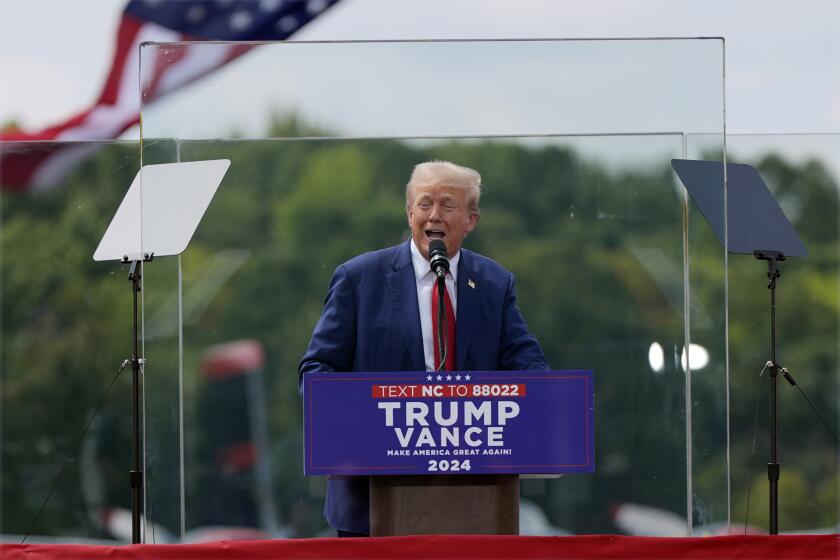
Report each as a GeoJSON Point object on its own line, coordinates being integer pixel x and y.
{"type": "Point", "coordinates": [466, 314]}
{"type": "Point", "coordinates": [403, 288]}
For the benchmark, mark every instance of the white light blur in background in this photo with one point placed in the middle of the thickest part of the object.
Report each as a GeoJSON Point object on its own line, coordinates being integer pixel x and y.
{"type": "Point", "coordinates": [656, 357]}
{"type": "Point", "coordinates": [698, 357]}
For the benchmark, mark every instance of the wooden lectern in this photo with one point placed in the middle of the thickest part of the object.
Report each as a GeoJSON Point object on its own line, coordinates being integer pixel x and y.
{"type": "Point", "coordinates": [444, 504]}
{"type": "Point", "coordinates": [497, 426]}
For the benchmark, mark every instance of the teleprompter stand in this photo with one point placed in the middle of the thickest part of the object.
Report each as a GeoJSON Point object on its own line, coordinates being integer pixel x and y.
{"type": "Point", "coordinates": [756, 226]}
{"type": "Point", "coordinates": [158, 216]}
{"type": "Point", "coordinates": [136, 473]}
{"type": "Point", "coordinates": [773, 369]}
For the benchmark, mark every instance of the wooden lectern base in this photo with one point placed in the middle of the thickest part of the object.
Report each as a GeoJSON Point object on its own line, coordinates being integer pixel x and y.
{"type": "Point", "coordinates": [444, 505]}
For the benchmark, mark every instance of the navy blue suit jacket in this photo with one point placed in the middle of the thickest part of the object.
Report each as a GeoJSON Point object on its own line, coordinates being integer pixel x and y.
{"type": "Point", "coordinates": [371, 323]}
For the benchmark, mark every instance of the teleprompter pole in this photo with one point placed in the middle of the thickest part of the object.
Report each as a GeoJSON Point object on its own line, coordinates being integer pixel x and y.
{"type": "Point", "coordinates": [136, 473]}
{"type": "Point", "coordinates": [774, 369]}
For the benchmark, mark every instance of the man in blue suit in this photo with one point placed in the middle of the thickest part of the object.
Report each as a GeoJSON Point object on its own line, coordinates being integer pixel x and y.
{"type": "Point", "coordinates": [378, 311]}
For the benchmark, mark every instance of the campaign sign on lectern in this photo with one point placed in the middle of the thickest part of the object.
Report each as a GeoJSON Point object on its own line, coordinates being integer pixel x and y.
{"type": "Point", "coordinates": [482, 422]}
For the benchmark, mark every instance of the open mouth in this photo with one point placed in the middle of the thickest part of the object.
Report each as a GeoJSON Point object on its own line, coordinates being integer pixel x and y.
{"type": "Point", "coordinates": [435, 234]}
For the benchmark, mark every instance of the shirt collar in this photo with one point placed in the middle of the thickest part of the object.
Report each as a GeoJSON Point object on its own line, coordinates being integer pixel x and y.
{"type": "Point", "coordinates": [421, 265]}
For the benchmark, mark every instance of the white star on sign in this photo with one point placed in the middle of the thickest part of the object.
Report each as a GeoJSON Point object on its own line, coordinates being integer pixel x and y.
{"type": "Point", "coordinates": [467, 377]}
{"type": "Point", "coordinates": [458, 378]}
{"type": "Point", "coordinates": [439, 377]}
{"type": "Point", "coordinates": [428, 378]}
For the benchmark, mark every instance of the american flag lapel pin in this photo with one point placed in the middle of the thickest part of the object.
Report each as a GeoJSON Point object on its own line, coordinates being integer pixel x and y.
{"type": "Point", "coordinates": [470, 283]}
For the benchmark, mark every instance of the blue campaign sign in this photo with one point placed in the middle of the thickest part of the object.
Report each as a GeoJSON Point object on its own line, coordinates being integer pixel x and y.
{"type": "Point", "coordinates": [482, 422]}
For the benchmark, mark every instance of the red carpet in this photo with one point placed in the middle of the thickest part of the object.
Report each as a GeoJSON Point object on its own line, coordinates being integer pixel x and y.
{"type": "Point", "coordinates": [811, 547]}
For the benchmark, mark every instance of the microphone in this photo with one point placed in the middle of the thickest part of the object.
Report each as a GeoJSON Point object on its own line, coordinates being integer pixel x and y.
{"type": "Point", "coordinates": [438, 259]}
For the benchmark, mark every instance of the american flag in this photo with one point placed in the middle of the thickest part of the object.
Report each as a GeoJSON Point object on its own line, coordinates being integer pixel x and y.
{"type": "Point", "coordinates": [39, 165]}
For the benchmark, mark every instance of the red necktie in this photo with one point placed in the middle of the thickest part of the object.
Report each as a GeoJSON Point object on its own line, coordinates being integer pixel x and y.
{"type": "Point", "coordinates": [449, 328]}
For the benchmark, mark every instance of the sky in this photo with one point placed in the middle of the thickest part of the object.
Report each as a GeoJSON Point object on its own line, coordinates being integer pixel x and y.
{"type": "Point", "coordinates": [782, 56]}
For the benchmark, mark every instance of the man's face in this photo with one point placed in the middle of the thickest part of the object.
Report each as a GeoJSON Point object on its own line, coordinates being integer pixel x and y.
{"type": "Point", "coordinates": [440, 212]}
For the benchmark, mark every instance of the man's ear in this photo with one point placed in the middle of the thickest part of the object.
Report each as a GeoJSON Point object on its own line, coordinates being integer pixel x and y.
{"type": "Point", "coordinates": [472, 221]}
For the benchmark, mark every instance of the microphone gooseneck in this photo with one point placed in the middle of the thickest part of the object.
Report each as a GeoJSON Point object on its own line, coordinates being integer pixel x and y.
{"type": "Point", "coordinates": [439, 263]}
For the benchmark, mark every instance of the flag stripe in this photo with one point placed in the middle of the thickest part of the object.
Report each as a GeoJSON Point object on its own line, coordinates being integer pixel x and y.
{"type": "Point", "coordinates": [127, 32]}
{"type": "Point", "coordinates": [40, 166]}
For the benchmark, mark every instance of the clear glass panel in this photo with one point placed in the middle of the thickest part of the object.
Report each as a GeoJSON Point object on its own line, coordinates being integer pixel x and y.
{"type": "Point", "coordinates": [802, 172]}
{"type": "Point", "coordinates": [439, 88]}
{"type": "Point", "coordinates": [162, 424]}
{"type": "Point", "coordinates": [705, 362]}
{"type": "Point", "coordinates": [573, 140]}
{"type": "Point", "coordinates": [66, 328]}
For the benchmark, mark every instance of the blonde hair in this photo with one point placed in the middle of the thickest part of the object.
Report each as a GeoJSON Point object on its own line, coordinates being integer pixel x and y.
{"type": "Point", "coordinates": [446, 173]}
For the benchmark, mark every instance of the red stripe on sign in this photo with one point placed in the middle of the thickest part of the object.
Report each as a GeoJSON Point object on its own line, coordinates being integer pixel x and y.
{"type": "Point", "coordinates": [495, 390]}
{"type": "Point", "coordinates": [396, 391]}
{"type": "Point", "coordinates": [444, 391]}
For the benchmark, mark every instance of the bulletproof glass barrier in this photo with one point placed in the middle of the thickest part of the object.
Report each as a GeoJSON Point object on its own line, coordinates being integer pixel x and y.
{"type": "Point", "coordinates": [615, 270]}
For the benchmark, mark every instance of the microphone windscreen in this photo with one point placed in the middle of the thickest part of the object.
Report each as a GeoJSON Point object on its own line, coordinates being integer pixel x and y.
{"type": "Point", "coordinates": [437, 247]}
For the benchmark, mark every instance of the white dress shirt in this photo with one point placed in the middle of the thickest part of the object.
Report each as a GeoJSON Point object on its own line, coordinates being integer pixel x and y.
{"type": "Point", "coordinates": [425, 279]}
